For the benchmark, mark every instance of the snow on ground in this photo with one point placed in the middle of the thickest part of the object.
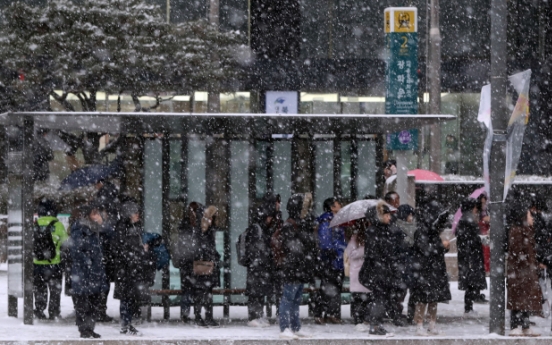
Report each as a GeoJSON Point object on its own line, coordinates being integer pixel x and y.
{"type": "Point", "coordinates": [450, 322]}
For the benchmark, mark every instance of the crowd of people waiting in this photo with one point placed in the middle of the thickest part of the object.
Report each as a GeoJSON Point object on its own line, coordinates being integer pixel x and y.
{"type": "Point", "coordinates": [392, 251]}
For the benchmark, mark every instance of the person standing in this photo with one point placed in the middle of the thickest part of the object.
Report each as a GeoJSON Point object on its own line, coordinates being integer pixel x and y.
{"type": "Point", "coordinates": [48, 271]}
{"type": "Point", "coordinates": [206, 268]}
{"type": "Point", "coordinates": [134, 266]}
{"type": "Point", "coordinates": [429, 271]}
{"type": "Point", "coordinates": [332, 246]}
{"type": "Point", "coordinates": [522, 282]}
{"type": "Point", "coordinates": [259, 259]}
{"type": "Point", "coordinates": [361, 297]}
{"type": "Point", "coordinates": [88, 278]}
{"type": "Point", "coordinates": [471, 269]}
{"type": "Point", "coordinates": [298, 245]}
{"type": "Point", "coordinates": [379, 272]}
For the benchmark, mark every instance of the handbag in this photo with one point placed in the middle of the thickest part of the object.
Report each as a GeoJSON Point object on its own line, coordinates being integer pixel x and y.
{"type": "Point", "coordinates": [203, 268]}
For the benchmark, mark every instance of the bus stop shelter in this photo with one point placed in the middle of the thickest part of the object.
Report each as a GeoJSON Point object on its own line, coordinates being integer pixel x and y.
{"type": "Point", "coordinates": [237, 192]}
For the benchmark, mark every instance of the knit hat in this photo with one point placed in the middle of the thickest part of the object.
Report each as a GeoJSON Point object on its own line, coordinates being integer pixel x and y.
{"type": "Point", "coordinates": [129, 208]}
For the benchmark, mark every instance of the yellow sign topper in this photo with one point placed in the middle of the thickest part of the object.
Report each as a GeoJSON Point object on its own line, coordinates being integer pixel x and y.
{"type": "Point", "coordinates": [401, 19]}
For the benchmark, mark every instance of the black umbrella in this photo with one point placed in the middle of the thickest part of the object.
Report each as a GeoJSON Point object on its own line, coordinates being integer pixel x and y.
{"type": "Point", "coordinates": [91, 175]}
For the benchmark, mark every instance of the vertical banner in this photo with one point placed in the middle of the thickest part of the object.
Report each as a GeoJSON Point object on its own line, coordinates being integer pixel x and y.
{"type": "Point", "coordinates": [516, 128]}
{"type": "Point", "coordinates": [401, 39]}
{"type": "Point", "coordinates": [281, 102]}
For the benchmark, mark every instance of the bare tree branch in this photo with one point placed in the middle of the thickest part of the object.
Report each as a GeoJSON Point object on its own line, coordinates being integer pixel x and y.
{"type": "Point", "coordinates": [62, 100]}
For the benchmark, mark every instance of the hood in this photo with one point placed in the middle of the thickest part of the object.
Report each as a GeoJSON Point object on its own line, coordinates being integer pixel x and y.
{"type": "Point", "coordinates": [266, 209]}
{"type": "Point", "coordinates": [382, 208]}
{"type": "Point", "coordinates": [299, 205]}
{"type": "Point", "coordinates": [207, 219]}
{"type": "Point", "coordinates": [194, 213]}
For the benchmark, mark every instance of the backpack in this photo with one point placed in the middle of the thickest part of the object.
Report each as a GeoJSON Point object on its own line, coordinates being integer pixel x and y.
{"type": "Point", "coordinates": [159, 249]}
{"type": "Point", "coordinates": [241, 247]}
{"type": "Point", "coordinates": [44, 247]}
{"type": "Point", "coordinates": [276, 243]}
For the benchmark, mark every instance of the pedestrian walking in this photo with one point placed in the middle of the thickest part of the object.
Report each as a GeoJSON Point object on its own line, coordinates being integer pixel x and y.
{"type": "Point", "coordinates": [88, 278]}
{"type": "Point", "coordinates": [298, 246]}
{"type": "Point", "coordinates": [47, 268]}
{"type": "Point", "coordinates": [471, 269]}
{"type": "Point", "coordinates": [332, 245]}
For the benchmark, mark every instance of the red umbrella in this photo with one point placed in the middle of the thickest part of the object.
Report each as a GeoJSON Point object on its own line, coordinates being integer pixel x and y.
{"type": "Point", "coordinates": [425, 175]}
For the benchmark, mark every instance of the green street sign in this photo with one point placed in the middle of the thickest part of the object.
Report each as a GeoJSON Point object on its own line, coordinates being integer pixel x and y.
{"type": "Point", "coordinates": [401, 74]}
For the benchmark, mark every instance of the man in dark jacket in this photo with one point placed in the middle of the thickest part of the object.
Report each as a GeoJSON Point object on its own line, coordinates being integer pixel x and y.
{"type": "Point", "coordinates": [471, 269]}
{"type": "Point", "coordinates": [298, 246]}
{"type": "Point", "coordinates": [260, 261]}
{"type": "Point", "coordinates": [379, 273]}
{"type": "Point", "coordinates": [88, 278]}
{"type": "Point", "coordinates": [134, 265]}
{"type": "Point", "coordinates": [332, 246]}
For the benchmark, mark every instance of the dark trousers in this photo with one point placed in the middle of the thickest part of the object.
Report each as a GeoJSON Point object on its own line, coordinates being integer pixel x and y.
{"type": "Point", "coordinates": [255, 305]}
{"type": "Point", "coordinates": [329, 298]}
{"type": "Point", "coordinates": [519, 318]}
{"type": "Point", "coordinates": [128, 308]}
{"type": "Point", "coordinates": [360, 307]}
{"type": "Point", "coordinates": [470, 296]}
{"type": "Point", "coordinates": [187, 296]}
{"type": "Point", "coordinates": [203, 299]}
{"type": "Point", "coordinates": [86, 309]}
{"type": "Point", "coordinates": [377, 307]}
{"type": "Point", "coordinates": [395, 301]}
{"type": "Point", "coordinates": [102, 305]}
{"type": "Point", "coordinates": [47, 278]}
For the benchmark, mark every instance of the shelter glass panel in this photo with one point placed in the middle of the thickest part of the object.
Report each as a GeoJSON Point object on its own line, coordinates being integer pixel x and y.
{"type": "Point", "coordinates": [281, 169]}
{"type": "Point", "coordinates": [324, 173]}
{"type": "Point", "coordinates": [196, 171]}
{"type": "Point", "coordinates": [153, 189]}
{"type": "Point", "coordinates": [261, 168]}
{"type": "Point", "coordinates": [367, 169]}
{"type": "Point", "coordinates": [239, 208]}
{"type": "Point", "coordinates": [175, 169]}
{"type": "Point", "coordinates": [346, 172]}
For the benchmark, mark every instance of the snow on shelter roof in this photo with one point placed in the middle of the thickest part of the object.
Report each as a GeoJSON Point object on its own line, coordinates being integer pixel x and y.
{"type": "Point", "coordinates": [233, 123]}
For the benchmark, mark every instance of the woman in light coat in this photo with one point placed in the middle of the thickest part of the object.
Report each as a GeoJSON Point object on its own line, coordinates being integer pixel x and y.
{"type": "Point", "coordinates": [360, 295]}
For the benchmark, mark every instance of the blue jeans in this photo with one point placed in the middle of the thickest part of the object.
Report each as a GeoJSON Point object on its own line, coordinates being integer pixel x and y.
{"type": "Point", "coordinates": [289, 307]}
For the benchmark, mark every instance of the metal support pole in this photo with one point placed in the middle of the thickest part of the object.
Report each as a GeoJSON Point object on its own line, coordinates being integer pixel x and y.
{"type": "Point", "coordinates": [434, 66]}
{"type": "Point", "coordinates": [27, 208]}
{"type": "Point", "coordinates": [166, 214]}
{"type": "Point", "coordinates": [498, 163]}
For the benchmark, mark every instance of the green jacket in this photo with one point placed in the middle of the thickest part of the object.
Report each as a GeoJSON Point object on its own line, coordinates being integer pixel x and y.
{"type": "Point", "coordinates": [59, 236]}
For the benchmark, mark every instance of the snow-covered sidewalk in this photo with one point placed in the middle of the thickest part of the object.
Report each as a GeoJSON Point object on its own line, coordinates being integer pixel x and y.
{"type": "Point", "coordinates": [450, 321]}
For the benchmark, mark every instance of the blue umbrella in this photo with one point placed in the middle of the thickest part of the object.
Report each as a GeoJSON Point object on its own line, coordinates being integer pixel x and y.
{"type": "Point", "coordinates": [89, 175]}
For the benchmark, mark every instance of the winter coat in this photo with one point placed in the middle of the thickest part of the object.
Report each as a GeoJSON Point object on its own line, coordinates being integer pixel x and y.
{"type": "Point", "coordinates": [471, 269]}
{"type": "Point", "coordinates": [380, 272]}
{"type": "Point", "coordinates": [260, 269]}
{"type": "Point", "coordinates": [355, 252]}
{"type": "Point", "coordinates": [524, 292]}
{"type": "Point", "coordinates": [87, 270]}
{"type": "Point", "coordinates": [194, 244]}
{"type": "Point", "coordinates": [58, 236]}
{"type": "Point", "coordinates": [543, 240]}
{"type": "Point", "coordinates": [331, 243]}
{"type": "Point", "coordinates": [107, 239]}
{"type": "Point", "coordinates": [300, 252]}
{"type": "Point", "coordinates": [134, 266]}
{"type": "Point", "coordinates": [429, 270]}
